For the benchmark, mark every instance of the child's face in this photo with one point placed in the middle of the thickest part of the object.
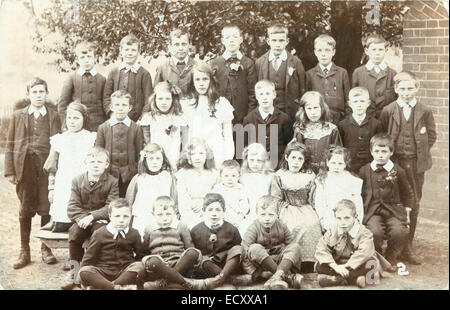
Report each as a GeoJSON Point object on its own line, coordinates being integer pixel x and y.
{"type": "Point", "coordinates": [96, 165]}
{"type": "Point", "coordinates": [231, 39]}
{"type": "Point", "coordinates": [201, 82]}
{"type": "Point", "coordinates": [359, 104]}
{"type": "Point", "coordinates": [230, 177]}
{"type": "Point", "coordinates": [255, 162]}
{"type": "Point", "coordinates": [129, 53]}
{"type": "Point", "coordinates": [86, 60]}
{"type": "Point", "coordinates": [163, 218]}
{"type": "Point", "coordinates": [376, 52]}
{"type": "Point", "coordinates": [313, 111]}
{"type": "Point", "coordinates": [120, 218]}
{"type": "Point", "coordinates": [336, 164]}
{"type": "Point", "coordinates": [265, 97]}
{"type": "Point", "coordinates": [163, 100]}
{"type": "Point", "coordinates": [198, 157]}
{"type": "Point", "coordinates": [324, 53]}
{"type": "Point", "coordinates": [37, 95]}
{"type": "Point", "coordinates": [277, 42]}
{"type": "Point", "coordinates": [268, 216]}
{"type": "Point", "coordinates": [295, 161]}
{"type": "Point", "coordinates": [406, 90]}
{"type": "Point", "coordinates": [345, 219]}
{"type": "Point", "coordinates": [381, 154]}
{"type": "Point", "coordinates": [154, 161]}
{"type": "Point", "coordinates": [179, 47]}
{"type": "Point", "coordinates": [214, 212]}
{"type": "Point", "coordinates": [120, 107]}
{"type": "Point", "coordinates": [74, 120]}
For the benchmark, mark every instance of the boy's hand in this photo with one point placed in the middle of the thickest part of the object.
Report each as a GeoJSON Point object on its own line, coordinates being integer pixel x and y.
{"type": "Point", "coordinates": [50, 195]}
{"type": "Point", "coordinates": [12, 179]}
{"type": "Point", "coordinates": [85, 221]}
{"type": "Point", "coordinates": [341, 270]}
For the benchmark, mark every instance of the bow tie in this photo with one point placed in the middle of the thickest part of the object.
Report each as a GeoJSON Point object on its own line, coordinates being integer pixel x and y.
{"type": "Point", "coordinates": [181, 63]}
{"type": "Point", "coordinates": [380, 168]}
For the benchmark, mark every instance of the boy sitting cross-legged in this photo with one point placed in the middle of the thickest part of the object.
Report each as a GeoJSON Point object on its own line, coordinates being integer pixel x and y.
{"type": "Point", "coordinates": [268, 247]}
{"type": "Point", "coordinates": [110, 260]}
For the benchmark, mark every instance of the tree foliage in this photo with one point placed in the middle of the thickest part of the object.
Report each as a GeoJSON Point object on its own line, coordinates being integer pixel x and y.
{"type": "Point", "coordinates": [106, 22]}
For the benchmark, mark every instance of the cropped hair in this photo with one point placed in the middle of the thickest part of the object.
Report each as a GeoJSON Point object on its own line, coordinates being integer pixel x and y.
{"type": "Point", "coordinates": [308, 97]}
{"type": "Point", "coordinates": [178, 32]}
{"type": "Point", "coordinates": [259, 149]}
{"type": "Point", "coordinates": [211, 198]}
{"type": "Point", "coordinates": [185, 158]}
{"type": "Point", "coordinates": [266, 202]}
{"type": "Point", "coordinates": [117, 204]}
{"type": "Point", "coordinates": [264, 83]}
{"type": "Point", "coordinates": [358, 91]}
{"type": "Point", "coordinates": [165, 86]}
{"type": "Point", "coordinates": [84, 48]}
{"type": "Point", "coordinates": [79, 107]}
{"type": "Point", "coordinates": [212, 94]}
{"type": "Point", "coordinates": [152, 148]}
{"type": "Point", "coordinates": [130, 40]}
{"type": "Point", "coordinates": [300, 147]}
{"type": "Point", "coordinates": [121, 94]}
{"type": "Point", "coordinates": [277, 28]}
{"type": "Point", "coordinates": [165, 202]}
{"type": "Point", "coordinates": [382, 139]}
{"type": "Point", "coordinates": [231, 26]}
{"type": "Point", "coordinates": [230, 164]}
{"type": "Point", "coordinates": [96, 151]}
{"type": "Point", "coordinates": [375, 39]}
{"type": "Point", "coordinates": [345, 203]}
{"type": "Point", "coordinates": [329, 40]}
{"type": "Point", "coordinates": [34, 82]}
{"type": "Point", "coordinates": [405, 76]}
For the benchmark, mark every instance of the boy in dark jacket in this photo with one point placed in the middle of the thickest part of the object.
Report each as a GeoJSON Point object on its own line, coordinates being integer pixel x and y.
{"type": "Point", "coordinates": [27, 148]}
{"type": "Point", "coordinates": [91, 194]}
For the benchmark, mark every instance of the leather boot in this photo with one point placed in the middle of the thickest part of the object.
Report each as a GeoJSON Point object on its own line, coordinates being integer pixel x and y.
{"type": "Point", "coordinates": [47, 255]}
{"type": "Point", "coordinates": [24, 258]}
{"type": "Point", "coordinates": [409, 256]}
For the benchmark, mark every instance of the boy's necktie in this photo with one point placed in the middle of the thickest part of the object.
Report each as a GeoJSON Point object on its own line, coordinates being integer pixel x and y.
{"type": "Point", "coordinates": [406, 111]}
{"type": "Point", "coordinates": [36, 114]}
{"type": "Point", "coordinates": [325, 71]}
{"type": "Point", "coordinates": [276, 63]}
{"type": "Point", "coordinates": [267, 117]}
{"type": "Point", "coordinates": [380, 168]}
{"type": "Point", "coordinates": [377, 69]}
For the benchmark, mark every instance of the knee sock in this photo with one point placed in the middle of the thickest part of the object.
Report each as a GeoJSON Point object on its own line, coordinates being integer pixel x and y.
{"type": "Point", "coordinates": [230, 267]}
{"type": "Point", "coordinates": [158, 269]}
{"type": "Point", "coordinates": [126, 278]}
{"type": "Point", "coordinates": [307, 267]}
{"type": "Point", "coordinates": [285, 265]}
{"type": "Point", "coordinates": [269, 265]}
{"type": "Point", "coordinates": [186, 262]}
{"type": "Point", "coordinates": [76, 251]}
{"type": "Point", "coordinates": [211, 269]}
{"type": "Point", "coordinates": [25, 231]}
{"type": "Point", "coordinates": [96, 280]}
{"type": "Point", "coordinates": [44, 220]}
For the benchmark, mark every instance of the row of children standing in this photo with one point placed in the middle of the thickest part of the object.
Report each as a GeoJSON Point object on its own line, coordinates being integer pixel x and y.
{"type": "Point", "coordinates": [185, 98]}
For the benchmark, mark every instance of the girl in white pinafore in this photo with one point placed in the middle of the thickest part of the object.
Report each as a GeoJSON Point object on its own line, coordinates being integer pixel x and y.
{"type": "Point", "coordinates": [66, 161]}
{"type": "Point", "coordinates": [209, 116]}
{"type": "Point", "coordinates": [336, 184]}
{"type": "Point", "coordinates": [154, 179]}
{"type": "Point", "coordinates": [165, 122]}
{"type": "Point", "coordinates": [195, 178]}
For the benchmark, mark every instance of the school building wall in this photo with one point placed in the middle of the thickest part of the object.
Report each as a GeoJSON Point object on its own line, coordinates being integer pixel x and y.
{"type": "Point", "coordinates": [425, 53]}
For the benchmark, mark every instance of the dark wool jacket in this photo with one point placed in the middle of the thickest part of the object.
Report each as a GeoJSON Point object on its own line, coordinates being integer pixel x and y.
{"type": "Point", "coordinates": [85, 200]}
{"type": "Point", "coordinates": [72, 90]}
{"type": "Point", "coordinates": [241, 82]}
{"type": "Point", "coordinates": [168, 71]}
{"type": "Point", "coordinates": [143, 91]}
{"type": "Point", "coordinates": [424, 130]}
{"type": "Point", "coordinates": [18, 140]}
{"type": "Point", "coordinates": [398, 197]}
{"type": "Point", "coordinates": [381, 88]}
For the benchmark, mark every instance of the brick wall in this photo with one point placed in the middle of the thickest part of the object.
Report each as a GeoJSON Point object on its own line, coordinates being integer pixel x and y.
{"type": "Point", "coordinates": [425, 52]}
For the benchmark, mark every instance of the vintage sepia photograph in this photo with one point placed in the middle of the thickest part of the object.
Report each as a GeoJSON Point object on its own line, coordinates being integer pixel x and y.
{"type": "Point", "coordinates": [224, 145]}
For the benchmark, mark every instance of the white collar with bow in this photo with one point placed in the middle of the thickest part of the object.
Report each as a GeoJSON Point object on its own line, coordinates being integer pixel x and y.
{"type": "Point", "coordinates": [176, 60]}
{"type": "Point", "coordinates": [116, 233]}
{"type": "Point", "coordinates": [113, 121]}
{"type": "Point", "coordinates": [209, 225]}
{"type": "Point", "coordinates": [81, 72]}
{"type": "Point", "coordinates": [226, 55]}
{"type": "Point", "coordinates": [370, 65]}
{"type": "Point", "coordinates": [388, 166]}
{"type": "Point", "coordinates": [42, 110]}
{"type": "Point", "coordinates": [410, 104]}
{"type": "Point", "coordinates": [134, 68]}
{"type": "Point", "coordinates": [265, 114]}
{"type": "Point", "coordinates": [282, 56]}
{"type": "Point", "coordinates": [327, 67]}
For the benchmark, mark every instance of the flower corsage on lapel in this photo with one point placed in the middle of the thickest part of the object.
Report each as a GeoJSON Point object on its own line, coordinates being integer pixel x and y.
{"type": "Point", "coordinates": [171, 129]}
{"type": "Point", "coordinates": [392, 176]}
{"type": "Point", "coordinates": [291, 70]}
